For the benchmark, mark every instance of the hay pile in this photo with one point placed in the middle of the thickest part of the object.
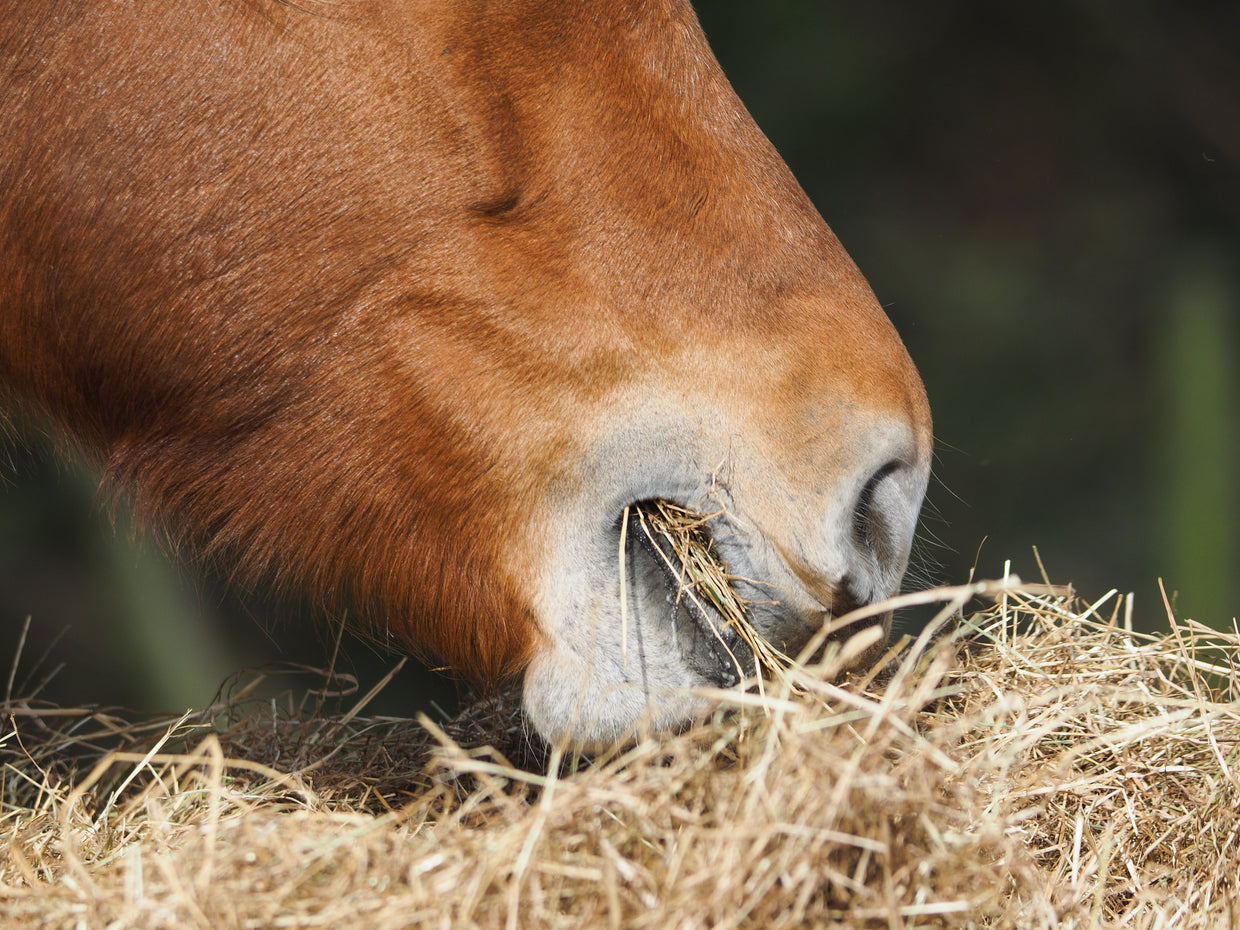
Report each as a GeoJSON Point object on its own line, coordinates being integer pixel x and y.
{"type": "Point", "coordinates": [1037, 766]}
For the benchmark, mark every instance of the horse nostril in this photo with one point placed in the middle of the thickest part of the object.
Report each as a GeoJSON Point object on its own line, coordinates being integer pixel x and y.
{"type": "Point", "coordinates": [872, 532]}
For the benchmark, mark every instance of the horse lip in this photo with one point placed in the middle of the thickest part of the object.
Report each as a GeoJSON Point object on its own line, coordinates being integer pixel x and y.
{"type": "Point", "coordinates": [792, 607]}
{"type": "Point", "coordinates": [707, 642]}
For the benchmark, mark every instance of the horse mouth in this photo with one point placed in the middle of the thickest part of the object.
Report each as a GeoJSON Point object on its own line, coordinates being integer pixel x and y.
{"type": "Point", "coordinates": [659, 578]}
{"type": "Point", "coordinates": [755, 631]}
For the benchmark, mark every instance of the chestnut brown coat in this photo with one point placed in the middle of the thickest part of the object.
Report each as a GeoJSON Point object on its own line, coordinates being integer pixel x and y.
{"type": "Point", "coordinates": [399, 303]}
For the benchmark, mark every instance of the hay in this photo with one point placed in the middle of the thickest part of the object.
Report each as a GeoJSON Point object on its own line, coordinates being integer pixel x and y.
{"type": "Point", "coordinates": [682, 539]}
{"type": "Point", "coordinates": [1036, 765]}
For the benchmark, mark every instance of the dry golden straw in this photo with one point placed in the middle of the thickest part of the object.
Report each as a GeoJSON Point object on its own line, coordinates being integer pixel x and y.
{"type": "Point", "coordinates": [702, 575]}
{"type": "Point", "coordinates": [1036, 765]}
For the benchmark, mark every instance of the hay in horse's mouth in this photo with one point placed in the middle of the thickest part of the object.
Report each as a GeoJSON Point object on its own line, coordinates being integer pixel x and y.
{"type": "Point", "coordinates": [699, 583]}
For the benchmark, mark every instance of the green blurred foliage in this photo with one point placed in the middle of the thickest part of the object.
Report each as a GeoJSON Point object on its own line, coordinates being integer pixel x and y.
{"type": "Point", "coordinates": [1046, 198]}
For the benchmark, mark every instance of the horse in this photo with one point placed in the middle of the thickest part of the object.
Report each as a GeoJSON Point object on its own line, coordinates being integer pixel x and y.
{"type": "Point", "coordinates": [409, 306]}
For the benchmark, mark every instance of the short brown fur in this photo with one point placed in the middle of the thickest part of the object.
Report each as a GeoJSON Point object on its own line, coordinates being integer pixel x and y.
{"type": "Point", "coordinates": [328, 288]}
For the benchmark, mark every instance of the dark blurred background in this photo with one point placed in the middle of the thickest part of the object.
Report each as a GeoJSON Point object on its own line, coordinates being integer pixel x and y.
{"type": "Point", "coordinates": [1046, 199]}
